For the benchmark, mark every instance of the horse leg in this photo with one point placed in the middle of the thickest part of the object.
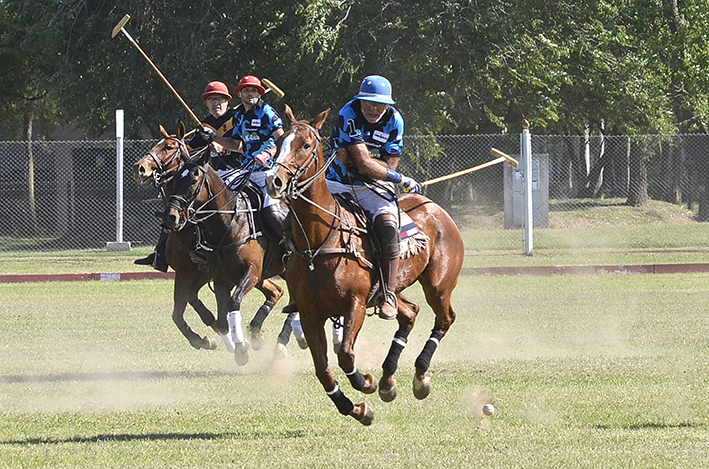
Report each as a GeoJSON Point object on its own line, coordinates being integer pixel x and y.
{"type": "Point", "coordinates": [298, 331]}
{"type": "Point", "coordinates": [249, 279]}
{"type": "Point", "coordinates": [281, 351]}
{"type": "Point", "coordinates": [183, 292]}
{"type": "Point", "coordinates": [204, 313]}
{"type": "Point", "coordinates": [346, 356]}
{"type": "Point", "coordinates": [439, 300]}
{"type": "Point", "coordinates": [317, 341]}
{"type": "Point", "coordinates": [408, 310]}
{"type": "Point", "coordinates": [337, 324]}
{"type": "Point", "coordinates": [273, 292]}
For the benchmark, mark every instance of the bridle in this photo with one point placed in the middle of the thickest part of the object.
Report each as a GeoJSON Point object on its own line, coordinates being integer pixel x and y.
{"type": "Point", "coordinates": [162, 175]}
{"type": "Point", "coordinates": [294, 190]}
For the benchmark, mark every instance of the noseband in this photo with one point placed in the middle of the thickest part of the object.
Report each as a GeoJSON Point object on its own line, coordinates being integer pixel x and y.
{"type": "Point", "coordinates": [161, 170]}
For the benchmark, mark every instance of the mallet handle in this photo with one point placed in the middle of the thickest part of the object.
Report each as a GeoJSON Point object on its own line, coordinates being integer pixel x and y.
{"type": "Point", "coordinates": [199, 122]}
{"type": "Point", "coordinates": [465, 171]}
{"type": "Point", "coordinates": [273, 87]}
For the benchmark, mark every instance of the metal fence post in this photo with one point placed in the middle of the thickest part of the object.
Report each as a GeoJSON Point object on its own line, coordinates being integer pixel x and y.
{"type": "Point", "coordinates": [119, 245]}
{"type": "Point", "coordinates": [526, 150]}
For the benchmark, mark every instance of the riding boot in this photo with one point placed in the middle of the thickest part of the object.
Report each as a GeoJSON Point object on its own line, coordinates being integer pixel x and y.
{"type": "Point", "coordinates": [276, 219]}
{"type": "Point", "coordinates": [157, 259]}
{"type": "Point", "coordinates": [389, 305]}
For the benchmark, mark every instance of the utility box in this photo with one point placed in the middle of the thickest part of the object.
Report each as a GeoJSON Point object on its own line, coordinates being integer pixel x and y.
{"type": "Point", "coordinates": [514, 193]}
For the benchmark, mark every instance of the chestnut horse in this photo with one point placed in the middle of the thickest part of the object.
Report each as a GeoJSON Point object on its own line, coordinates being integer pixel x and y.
{"type": "Point", "coordinates": [239, 255]}
{"type": "Point", "coordinates": [335, 269]}
{"type": "Point", "coordinates": [157, 169]}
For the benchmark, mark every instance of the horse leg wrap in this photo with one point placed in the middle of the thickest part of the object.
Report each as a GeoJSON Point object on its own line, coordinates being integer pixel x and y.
{"type": "Point", "coordinates": [342, 402]}
{"type": "Point", "coordinates": [398, 343]}
{"type": "Point", "coordinates": [424, 359]}
{"type": "Point", "coordinates": [259, 317]}
{"type": "Point", "coordinates": [284, 335]}
{"type": "Point", "coordinates": [297, 328]}
{"type": "Point", "coordinates": [237, 333]}
{"type": "Point", "coordinates": [356, 379]}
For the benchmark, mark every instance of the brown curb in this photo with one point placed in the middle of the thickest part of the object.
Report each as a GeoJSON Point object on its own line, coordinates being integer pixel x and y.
{"type": "Point", "coordinates": [104, 277]}
{"type": "Point", "coordinates": [590, 269]}
{"type": "Point", "coordinates": [541, 270]}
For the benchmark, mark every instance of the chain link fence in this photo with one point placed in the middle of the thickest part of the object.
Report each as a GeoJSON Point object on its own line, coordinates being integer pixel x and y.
{"type": "Point", "coordinates": [62, 195]}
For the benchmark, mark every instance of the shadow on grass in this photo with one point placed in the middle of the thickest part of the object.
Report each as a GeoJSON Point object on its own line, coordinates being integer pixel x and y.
{"type": "Point", "coordinates": [650, 426]}
{"type": "Point", "coordinates": [106, 437]}
{"type": "Point", "coordinates": [117, 376]}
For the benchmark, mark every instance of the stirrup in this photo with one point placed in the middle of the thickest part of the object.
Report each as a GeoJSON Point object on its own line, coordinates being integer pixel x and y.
{"type": "Point", "coordinates": [388, 309]}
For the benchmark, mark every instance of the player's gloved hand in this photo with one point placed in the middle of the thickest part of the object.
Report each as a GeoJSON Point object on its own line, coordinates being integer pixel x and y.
{"type": "Point", "coordinates": [409, 185]}
{"type": "Point", "coordinates": [264, 159]}
{"type": "Point", "coordinates": [207, 134]}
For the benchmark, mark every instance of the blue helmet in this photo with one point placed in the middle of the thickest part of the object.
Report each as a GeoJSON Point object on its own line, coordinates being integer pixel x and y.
{"type": "Point", "coordinates": [375, 88]}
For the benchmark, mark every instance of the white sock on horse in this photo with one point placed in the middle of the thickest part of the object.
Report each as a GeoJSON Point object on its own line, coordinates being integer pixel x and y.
{"type": "Point", "coordinates": [235, 330]}
{"type": "Point", "coordinates": [297, 328]}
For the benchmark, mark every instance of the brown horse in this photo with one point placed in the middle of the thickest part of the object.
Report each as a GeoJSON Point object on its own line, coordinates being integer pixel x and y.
{"type": "Point", "coordinates": [334, 273]}
{"type": "Point", "coordinates": [157, 169]}
{"type": "Point", "coordinates": [239, 255]}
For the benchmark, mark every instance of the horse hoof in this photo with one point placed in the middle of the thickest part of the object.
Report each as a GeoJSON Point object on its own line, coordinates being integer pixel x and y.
{"type": "Point", "coordinates": [422, 388]}
{"type": "Point", "coordinates": [228, 342]}
{"type": "Point", "coordinates": [257, 340]}
{"type": "Point", "coordinates": [241, 354]}
{"type": "Point", "coordinates": [209, 344]}
{"type": "Point", "coordinates": [390, 395]}
{"type": "Point", "coordinates": [280, 352]}
{"type": "Point", "coordinates": [367, 415]}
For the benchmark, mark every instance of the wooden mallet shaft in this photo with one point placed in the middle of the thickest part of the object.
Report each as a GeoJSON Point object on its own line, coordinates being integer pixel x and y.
{"type": "Point", "coordinates": [501, 157]}
{"type": "Point", "coordinates": [273, 87]}
{"type": "Point", "coordinates": [120, 27]}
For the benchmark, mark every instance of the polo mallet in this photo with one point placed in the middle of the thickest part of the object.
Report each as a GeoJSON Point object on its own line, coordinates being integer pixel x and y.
{"type": "Point", "coordinates": [272, 87]}
{"type": "Point", "coordinates": [120, 27]}
{"type": "Point", "coordinates": [501, 156]}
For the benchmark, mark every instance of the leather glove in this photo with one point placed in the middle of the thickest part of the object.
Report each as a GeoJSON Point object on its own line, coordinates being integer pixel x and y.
{"type": "Point", "coordinates": [207, 134]}
{"type": "Point", "coordinates": [409, 185]}
{"type": "Point", "coordinates": [264, 159]}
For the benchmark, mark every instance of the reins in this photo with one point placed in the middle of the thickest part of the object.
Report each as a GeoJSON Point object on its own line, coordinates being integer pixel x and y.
{"type": "Point", "coordinates": [295, 189]}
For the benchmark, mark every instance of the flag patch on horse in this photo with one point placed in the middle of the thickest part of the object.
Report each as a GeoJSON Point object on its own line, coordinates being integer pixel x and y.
{"type": "Point", "coordinates": [412, 240]}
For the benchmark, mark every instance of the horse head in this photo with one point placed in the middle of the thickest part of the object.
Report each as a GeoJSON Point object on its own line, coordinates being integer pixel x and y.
{"type": "Point", "coordinates": [161, 162]}
{"type": "Point", "coordinates": [191, 191]}
{"type": "Point", "coordinates": [299, 158]}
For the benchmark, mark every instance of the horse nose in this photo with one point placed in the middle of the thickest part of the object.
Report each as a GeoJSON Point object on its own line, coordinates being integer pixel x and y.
{"type": "Point", "coordinates": [274, 185]}
{"type": "Point", "coordinates": [172, 218]}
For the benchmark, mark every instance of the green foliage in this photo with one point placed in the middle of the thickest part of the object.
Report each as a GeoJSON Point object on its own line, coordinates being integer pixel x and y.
{"type": "Point", "coordinates": [457, 66]}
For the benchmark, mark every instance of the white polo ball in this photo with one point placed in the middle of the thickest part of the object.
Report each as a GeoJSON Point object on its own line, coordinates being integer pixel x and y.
{"type": "Point", "coordinates": [488, 409]}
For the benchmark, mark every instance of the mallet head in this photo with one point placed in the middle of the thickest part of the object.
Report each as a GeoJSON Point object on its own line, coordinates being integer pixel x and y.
{"type": "Point", "coordinates": [508, 159]}
{"type": "Point", "coordinates": [273, 87]}
{"type": "Point", "coordinates": [120, 25]}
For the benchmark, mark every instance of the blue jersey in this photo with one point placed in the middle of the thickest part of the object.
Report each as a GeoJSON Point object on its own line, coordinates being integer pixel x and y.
{"type": "Point", "coordinates": [383, 138]}
{"type": "Point", "coordinates": [255, 127]}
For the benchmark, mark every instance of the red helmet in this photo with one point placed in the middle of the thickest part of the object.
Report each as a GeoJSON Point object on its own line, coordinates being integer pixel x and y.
{"type": "Point", "coordinates": [250, 80]}
{"type": "Point", "coordinates": [216, 87]}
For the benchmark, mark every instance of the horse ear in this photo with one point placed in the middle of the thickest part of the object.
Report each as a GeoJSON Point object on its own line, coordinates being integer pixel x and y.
{"type": "Point", "coordinates": [320, 119]}
{"type": "Point", "coordinates": [181, 130]}
{"type": "Point", "coordinates": [289, 116]}
{"type": "Point", "coordinates": [163, 132]}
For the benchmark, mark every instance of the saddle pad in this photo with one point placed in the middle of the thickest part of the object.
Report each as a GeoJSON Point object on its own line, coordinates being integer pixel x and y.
{"type": "Point", "coordinates": [408, 227]}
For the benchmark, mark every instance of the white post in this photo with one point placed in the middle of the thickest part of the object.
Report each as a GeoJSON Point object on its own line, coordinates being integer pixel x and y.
{"type": "Point", "coordinates": [526, 145]}
{"type": "Point", "coordinates": [119, 245]}
{"type": "Point", "coordinates": [119, 175]}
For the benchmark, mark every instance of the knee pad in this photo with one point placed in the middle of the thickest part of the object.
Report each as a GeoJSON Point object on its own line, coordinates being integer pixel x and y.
{"type": "Point", "coordinates": [387, 232]}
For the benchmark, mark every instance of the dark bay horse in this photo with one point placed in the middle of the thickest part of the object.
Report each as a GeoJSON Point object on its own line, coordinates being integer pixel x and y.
{"type": "Point", "coordinates": [157, 169]}
{"type": "Point", "coordinates": [334, 271]}
{"type": "Point", "coordinates": [240, 256]}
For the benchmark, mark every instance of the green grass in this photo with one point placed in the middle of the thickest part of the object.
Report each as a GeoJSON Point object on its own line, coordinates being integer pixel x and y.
{"type": "Point", "coordinates": [585, 371]}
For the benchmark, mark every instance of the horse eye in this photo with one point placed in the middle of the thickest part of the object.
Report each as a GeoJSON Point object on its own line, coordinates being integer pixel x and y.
{"type": "Point", "coordinates": [306, 146]}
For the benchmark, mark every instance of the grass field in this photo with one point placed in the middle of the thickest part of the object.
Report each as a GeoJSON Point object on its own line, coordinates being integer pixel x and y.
{"type": "Point", "coordinates": [588, 371]}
